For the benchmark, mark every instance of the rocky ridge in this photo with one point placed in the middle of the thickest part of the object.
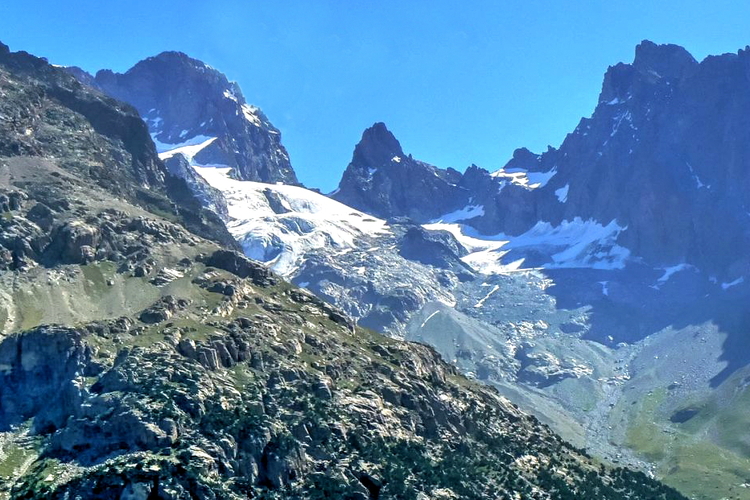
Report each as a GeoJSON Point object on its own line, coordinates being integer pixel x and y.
{"type": "Point", "coordinates": [185, 101]}
{"type": "Point", "coordinates": [383, 181]}
{"type": "Point", "coordinates": [653, 146]}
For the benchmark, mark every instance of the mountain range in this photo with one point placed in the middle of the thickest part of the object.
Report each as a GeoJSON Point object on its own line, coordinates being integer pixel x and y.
{"type": "Point", "coordinates": [599, 285]}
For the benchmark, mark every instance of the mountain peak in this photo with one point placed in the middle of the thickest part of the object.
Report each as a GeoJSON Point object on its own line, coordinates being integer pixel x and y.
{"type": "Point", "coordinates": [182, 98]}
{"type": "Point", "coordinates": [651, 64]}
{"type": "Point", "coordinates": [383, 181]}
{"type": "Point", "coordinates": [377, 147]}
{"type": "Point", "coordinates": [170, 57]}
{"type": "Point", "coordinates": [666, 60]}
{"type": "Point", "coordinates": [523, 158]}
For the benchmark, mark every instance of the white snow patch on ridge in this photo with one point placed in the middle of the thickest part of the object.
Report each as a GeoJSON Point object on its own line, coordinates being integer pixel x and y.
{"type": "Point", "coordinates": [562, 193]}
{"type": "Point", "coordinates": [524, 178]}
{"type": "Point", "coordinates": [484, 251]}
{"type": "Point", "coordinates": [572, 244]}
{"type": "Point", "coordinates": [738, 281]}
{"type": "Point", "coordinates": [468, 212]}
{"type": "Point", "coordinates": [251, 114]}
{"type": "Point", "coordinates": [577, 244]}
{"type": "Point", "coordinates": [278, 224]}
{"type": "Point", "coordinates": [188, 148]}
{"type": "Point", "coordinates": [230, 95]}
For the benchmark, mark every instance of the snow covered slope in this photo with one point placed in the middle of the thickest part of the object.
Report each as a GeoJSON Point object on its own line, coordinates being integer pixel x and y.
{"type": "Point", "coordinates": [279, 225]}
{"type": "Point", "coordinates": [571, 244]}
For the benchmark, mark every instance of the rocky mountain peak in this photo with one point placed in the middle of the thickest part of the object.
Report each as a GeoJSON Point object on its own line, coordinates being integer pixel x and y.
{"type": "Point", "coordinates": [523, 158]}
{"type": "Point", "coordinates": [384, 181]}
{"type": "Point", "coordinates": [187, 102]}
{"type": "Point", "coordinates": [666, 60]}
{"type": "Point", "coordinates": [377, 147]}
{"type": "Point", "coordinates": [653, 64]}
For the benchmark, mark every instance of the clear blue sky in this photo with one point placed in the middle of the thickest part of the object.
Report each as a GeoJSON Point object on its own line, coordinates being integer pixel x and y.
{"type": "Point", "coordinates": [457, 82]}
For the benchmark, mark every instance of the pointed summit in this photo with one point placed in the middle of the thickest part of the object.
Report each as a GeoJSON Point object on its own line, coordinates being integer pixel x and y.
{"type": "Point", "coordinates": [653, 64]}
{"type": "Point", "coordinates": [383, 181]}
{"type": "Point", "coordinates": [184, 100]}
{"type": "Point", "coordinates": [377, 147]}
{"type": "Point", "coordinates": [667, 60]}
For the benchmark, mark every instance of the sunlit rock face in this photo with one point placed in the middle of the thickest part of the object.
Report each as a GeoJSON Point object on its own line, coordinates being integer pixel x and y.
{"type": "Point", "coordinates": [187, 102]}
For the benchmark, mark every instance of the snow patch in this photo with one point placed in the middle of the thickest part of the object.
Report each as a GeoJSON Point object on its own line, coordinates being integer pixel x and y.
{"type": "Point", "coordinates": [230, 95]}
{"type": "Point", "coordinates": [525, 178]}
{"type": "Point", "coordinates": [188, 149]}
{"type": "Point", "coordinates": [577, 243]}
{"type": "Point", "coordinates": [428, 319]}
{"type": "Point", "coordinates": [562, 193]}
{"type": "Point", "coordinates": [669, 271]}
{"type": "Point", "coordinates": [279, 225]}
{"type": "Point", "coordinates": [740, 280]}
{"type": "Point", "coordinates": [468, 212]}
{"type": "Point", "coordinates": [251, 114]}
{"type": "Point", "coordinates": [485, 253]}
{"type": "Point", "coordinates": [484, 299]}
{"type": "Point", "coordinates": [572, 244]}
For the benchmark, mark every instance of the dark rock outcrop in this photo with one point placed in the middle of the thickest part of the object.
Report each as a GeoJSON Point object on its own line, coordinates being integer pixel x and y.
{"type": "Point", "coordinates": [241, 266]}
{"type": "Point", "coordinates": [39, 377]}
{"type": "Point", "coordinates": [434, 248]}
{"type": "Point", "coordinates": [181, 98]}
{"type": "Point", "coordinates": [383, 181]}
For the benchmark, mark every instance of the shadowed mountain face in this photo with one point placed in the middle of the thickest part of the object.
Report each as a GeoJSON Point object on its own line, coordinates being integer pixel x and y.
{"type": "Point", "coordinates": [182, 99]}
{"type": "Point", "coordinates": [385, 182]}
{"type": "Point", "coordinates": [664, 158]}
{"type": "Point", "coordinates": [632, 238]}
{"type": "Point", "coordinates": [666, 154]}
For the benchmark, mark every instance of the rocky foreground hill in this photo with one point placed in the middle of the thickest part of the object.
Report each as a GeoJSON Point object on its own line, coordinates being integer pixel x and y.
{"type": "Point", "coordinates": [142, 358]}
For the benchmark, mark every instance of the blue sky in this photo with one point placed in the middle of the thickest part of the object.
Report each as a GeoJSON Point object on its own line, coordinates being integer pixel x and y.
{"type": "Point", "coordinates": [456, 83]}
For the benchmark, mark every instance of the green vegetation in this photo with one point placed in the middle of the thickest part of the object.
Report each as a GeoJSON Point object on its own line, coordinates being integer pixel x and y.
{"type": "Point", "coordinates": [643, 434]}
{"type": "Point", "coordinates": [686, 460]}
{"type": "Point", "coordinates": [18, 451]}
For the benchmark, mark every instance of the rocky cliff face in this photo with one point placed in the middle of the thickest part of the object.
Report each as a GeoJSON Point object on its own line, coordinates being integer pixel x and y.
{"type": "Point", "coordinates": [141, 360]}
{"type": "Point", "coordinates": [182, 99]}
{"type": "Point", "coordinates": [664, 154]}
{"type": "Point", "coordinates": [385, 182]}
{"type": "Point", "coordinates": [60, 137]}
